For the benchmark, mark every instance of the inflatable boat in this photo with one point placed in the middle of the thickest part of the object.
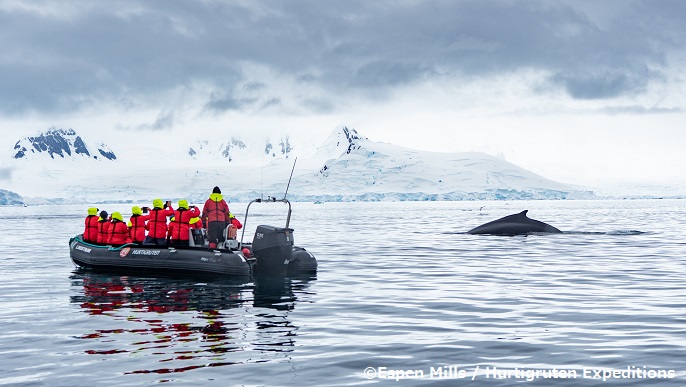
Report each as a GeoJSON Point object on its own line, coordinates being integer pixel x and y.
{"type": "Point", "coordinates": [271, 253]}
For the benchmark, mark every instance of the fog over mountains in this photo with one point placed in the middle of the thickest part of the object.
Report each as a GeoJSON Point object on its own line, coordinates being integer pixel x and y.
{"type": "Point", "coordinates": [59, 166]}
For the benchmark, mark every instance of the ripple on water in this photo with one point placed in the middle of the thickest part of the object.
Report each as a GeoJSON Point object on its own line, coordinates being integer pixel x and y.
{"type": "Point", "coordinates": [400, 285]}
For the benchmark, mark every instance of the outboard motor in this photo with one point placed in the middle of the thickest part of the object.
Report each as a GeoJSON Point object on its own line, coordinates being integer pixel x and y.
{"type": "Point", "coordinates": [273, 249]}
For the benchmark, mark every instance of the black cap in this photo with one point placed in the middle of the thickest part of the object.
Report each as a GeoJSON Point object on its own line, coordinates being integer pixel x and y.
{"type": "Point", "coordinates": [216, 190]}
{"type": "Point", "coordinates": [103, 214]}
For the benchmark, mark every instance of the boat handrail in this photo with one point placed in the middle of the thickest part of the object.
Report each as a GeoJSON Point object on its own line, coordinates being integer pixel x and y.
{"type": "Point", "coordinates": [269, 199]}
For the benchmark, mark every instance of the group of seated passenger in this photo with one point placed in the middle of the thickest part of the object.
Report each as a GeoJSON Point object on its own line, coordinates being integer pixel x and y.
{"type": "Point", "coordinates": [162, 225]}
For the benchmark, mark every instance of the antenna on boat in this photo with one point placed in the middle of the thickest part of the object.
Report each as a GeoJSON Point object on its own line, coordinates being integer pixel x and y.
{"type": "Point", "coordinates": [270, 199]}
{"type": "Point", "coordinates": [261, 175]}
{"type": "Point", "coordinates": [289, 179]}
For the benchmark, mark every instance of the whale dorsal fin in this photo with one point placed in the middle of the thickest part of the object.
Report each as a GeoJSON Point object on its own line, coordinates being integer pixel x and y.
{"type": "Point", "coordinates": [523, 213]}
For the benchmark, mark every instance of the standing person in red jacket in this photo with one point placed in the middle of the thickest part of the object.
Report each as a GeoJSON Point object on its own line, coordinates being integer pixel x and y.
{"type": "Point", "coordinates": [103, 228]}
{"type": "Point", "coordinates": [215, 214]}
{"type": "Point", "coordinates": [90, 232]}
{"type": "Point", "coordinates": [119, 232]}
{"type": "Point", "coordinates": [157, 224]}
{"type": "Point", "coordinates": [177, 235]}
{"type": "Point", "coordinates": [137, 224]}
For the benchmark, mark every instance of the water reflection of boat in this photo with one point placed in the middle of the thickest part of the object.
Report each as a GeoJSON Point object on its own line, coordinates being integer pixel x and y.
{"type": "Point", "coordinates": [175, 325]}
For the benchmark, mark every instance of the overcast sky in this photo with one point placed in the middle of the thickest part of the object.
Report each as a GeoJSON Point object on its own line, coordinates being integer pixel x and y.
{"type": "Point", "coordinates": [579, 91]}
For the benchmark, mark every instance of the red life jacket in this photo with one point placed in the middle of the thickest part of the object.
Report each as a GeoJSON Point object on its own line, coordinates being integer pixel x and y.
{"type": "Point", "coordinates": [90, 233]}
{"type": "Point", "coordinates": [137, 228]}
{"type": "Point", "coordinates": [103, 231]}
{"type": "Point", "coordinates": [118, 233]}
{"type": "Point", "coordinates": [236, 223]}
{"type": "Point", "coordinates": [215, 209]}
{"type": "Point", "coordinates": [157, 224]}
{"type": "Point", "coordinates": [178, 228]}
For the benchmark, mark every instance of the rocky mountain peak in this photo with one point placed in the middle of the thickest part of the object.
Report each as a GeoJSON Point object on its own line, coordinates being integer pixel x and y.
{"type": "Point", "coordinates": [62, 143]}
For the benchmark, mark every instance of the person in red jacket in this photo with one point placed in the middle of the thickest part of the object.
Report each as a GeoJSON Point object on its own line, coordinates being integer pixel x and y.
{"type": "Point", "coordinates": [235, 221]}
{"type": "Point", "coordinates": [90, 232]}
{"type": "Point", "coordinates": [195, 223]}
{"type": "Point", "coordinates": [157, 224]}
{"type": "Point", "coordinates": [103, 228]}
{"type": "Point", "coordinates": [215, 214]}
{"type": "Point", "coordinates": [177, 235]}
{"type": "Point", "coordinates": [235, 225]}
{"type": "Point", "coordinates": [119, 232]}
{"type": "Point", "coordinates": [137, 224]}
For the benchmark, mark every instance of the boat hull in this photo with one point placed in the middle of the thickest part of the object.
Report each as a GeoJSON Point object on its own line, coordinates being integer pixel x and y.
{"type": "Point", "coordinates": [161, 259]}
{"type": "Point", "coordinates": [302, 261]}
{"type": "Point", "coordinates": [134, 258]}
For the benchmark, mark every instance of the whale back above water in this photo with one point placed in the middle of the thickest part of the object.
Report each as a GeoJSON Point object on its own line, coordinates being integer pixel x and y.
{"type": "Point", "coordinates": [515, 224]}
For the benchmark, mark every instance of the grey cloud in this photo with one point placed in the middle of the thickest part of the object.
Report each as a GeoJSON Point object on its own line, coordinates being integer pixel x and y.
{"type": "Point", "coordinates": [383, 73]}
{"type": "Point", "coordinates": [6, 174]}
{"type": "Point", "coordinates": [320, 105]}
{"type": "Point", "coordinates": [163, 121]}
{"type": "Point", "coordinates": [222, 103]}
{"type": "Point", "coordinates": [254, 86]}
{"type": "Point", "coordinates": [599, 86]}
{"type": "Point", "coordinates": [271, 102]}
{"type": "Point", "coordinates": [106, 52]}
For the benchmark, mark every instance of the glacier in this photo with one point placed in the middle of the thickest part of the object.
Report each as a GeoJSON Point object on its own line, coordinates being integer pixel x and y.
{"type": "Point", "coordinates": [346, 166]}
{"type": "Point", "coordinates": [9, 198]}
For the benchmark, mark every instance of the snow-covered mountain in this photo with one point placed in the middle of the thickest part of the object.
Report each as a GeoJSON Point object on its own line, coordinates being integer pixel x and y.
{"type": "Point", "coordinates": [361, 169]}
{"type": "Point", "coordinates": [241, 151]}
{"type": "Point", "coordinates": [345, 166]}
{"type": "Point", "coordinates": [9, 198]}
{"type": "Point", "coordinates": [62, 143]}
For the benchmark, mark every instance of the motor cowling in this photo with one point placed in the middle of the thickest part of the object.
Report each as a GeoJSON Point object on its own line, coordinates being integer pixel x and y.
{"type": "Point", "coordinates": [273, 249]}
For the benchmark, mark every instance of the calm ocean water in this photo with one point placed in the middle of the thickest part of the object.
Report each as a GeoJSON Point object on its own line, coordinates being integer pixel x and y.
{"type": "Point", "coordinates": [401, 292]}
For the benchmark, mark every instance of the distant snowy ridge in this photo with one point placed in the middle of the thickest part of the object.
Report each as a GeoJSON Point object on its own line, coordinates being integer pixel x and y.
{"type": "Point", "coordinates": [349, 167]}
{"type": "Point", "coordinates": [409, 196]}
{"type": "Point", "coordinates": [9, 198]}
{"type": "Point", "coordinates": [241, 151]}
{"type": "Point", "coordinates": [346, 166]}
{"type": "Point", "coordinates": [60, 143]}
{"type": "Point", "coordinates": [368, 170]}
